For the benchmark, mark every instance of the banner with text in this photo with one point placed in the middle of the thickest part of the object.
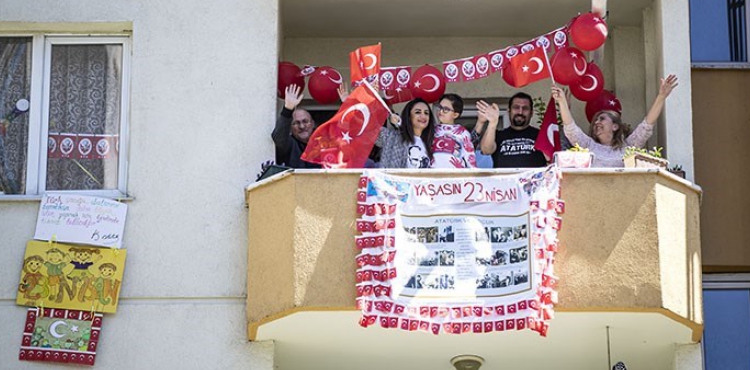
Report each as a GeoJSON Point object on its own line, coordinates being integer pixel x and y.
{"type": "Point", "coordinates": [83, 219]}
{"type": "Point", "coordinates": [458, 255]}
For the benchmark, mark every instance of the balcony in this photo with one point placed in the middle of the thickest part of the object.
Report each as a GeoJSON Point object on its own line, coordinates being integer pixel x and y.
{"type": "Point", "coordinates": [629, 265]}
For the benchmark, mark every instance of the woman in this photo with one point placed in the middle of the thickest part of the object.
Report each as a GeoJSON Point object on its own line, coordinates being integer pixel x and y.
{"type": "Point", "coordinates": [608, 138]}
{"type": "Point", "coordinates": [404, 145]}
{"type": "Point", "coordinates": [452, 147]}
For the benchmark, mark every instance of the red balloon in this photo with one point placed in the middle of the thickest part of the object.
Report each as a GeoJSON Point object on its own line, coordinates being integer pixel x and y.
{"type": "Point", "coordinates": [568, 65]}
{"type": "Point", "coordinates": [323, 85]}
{"type": "Point", "coordinates": [605, 101]}
{"type": "Point", "coordinates": [588, 31]}
{"type": "Point", "coordinates": [590, 85]}
{"type": "Point", "coordinates": [289, 74]}
{"type": "Point", "coordinates": [427, 83]}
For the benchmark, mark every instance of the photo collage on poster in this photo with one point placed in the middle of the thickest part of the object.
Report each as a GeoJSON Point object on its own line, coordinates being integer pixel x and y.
{"type": "Point", "coordinates": [460, 256]}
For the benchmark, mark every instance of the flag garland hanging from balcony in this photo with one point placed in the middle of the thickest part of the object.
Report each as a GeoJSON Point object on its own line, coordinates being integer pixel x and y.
{"type": "Point", "coordinates": [458, 255]}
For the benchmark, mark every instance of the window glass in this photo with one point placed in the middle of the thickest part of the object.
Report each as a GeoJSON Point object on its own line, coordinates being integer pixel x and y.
{"type": "Point", "coordinates": [718, 31]}
{"type": "Point", "coordinates": [726, 338]}
{"type": "Point", "coordinates": [15, 86]}
{"type": "Point", "coordinates": [84, 117]}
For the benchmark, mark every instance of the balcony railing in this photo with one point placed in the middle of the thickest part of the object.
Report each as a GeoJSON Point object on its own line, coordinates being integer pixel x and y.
{"type": "Point", "coordinates": [629, 259]}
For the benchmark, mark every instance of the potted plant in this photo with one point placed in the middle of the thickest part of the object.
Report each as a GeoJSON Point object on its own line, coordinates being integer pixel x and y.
{"type": "Point", "coordinates": [641, 158]}
{"type": "Point", "coordinates": [677, 170]}
{"type": "Point", "coordinates": [575, 157]}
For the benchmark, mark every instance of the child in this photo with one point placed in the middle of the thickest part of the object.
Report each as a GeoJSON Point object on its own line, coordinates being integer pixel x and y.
{"type": "Point", "coordinates": [452, 147]}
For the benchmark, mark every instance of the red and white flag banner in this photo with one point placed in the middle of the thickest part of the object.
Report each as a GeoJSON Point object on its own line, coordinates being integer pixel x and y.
{"type": "Point", "coordinates": [81, 146]}
{"type": "Point", "coordinates": [392, 78]}
{"type": "Point", "coordinates": [451, 71]}
{"type": "Point", "coordinates": [468, 69]}
{"type": "Point", "coordinates": [57, 335]}
{"type": "Point", "coordinates": [458, 255]}
{"type": "Point", "coordinates": [482, 65]}
{"type": "Point", "coordinates": [497, 60]}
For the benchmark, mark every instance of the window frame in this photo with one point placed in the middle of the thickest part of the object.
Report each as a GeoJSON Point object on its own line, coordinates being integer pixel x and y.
{"type": "Point", "coordinates": [729, 65]}
{"type": "Point", "coordinates": [36, 151]}
{"type": "Point", "coordinates": [723, 281]}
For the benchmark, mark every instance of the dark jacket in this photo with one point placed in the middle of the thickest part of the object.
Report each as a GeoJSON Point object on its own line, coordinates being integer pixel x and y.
{"type": "Point", "coordinates": [288, 148]}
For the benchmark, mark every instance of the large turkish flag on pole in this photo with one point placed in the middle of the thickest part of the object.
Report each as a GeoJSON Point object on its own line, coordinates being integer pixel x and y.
{"type": "Point", "coordinates": [548, 140]}
{"type": "Point", "coordinates": [364, 62]}
{"type": "Point", "coordinates": [345, 141]}
{"type": "Point", "coordinates": [529, 67]}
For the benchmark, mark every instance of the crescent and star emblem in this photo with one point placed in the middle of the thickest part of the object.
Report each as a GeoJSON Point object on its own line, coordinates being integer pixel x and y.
{"type": "Point", "coordinates": [373, 59]}
{"type": "Point", "coordinates": [53, 328]}
{"type": "Point", "coordinates": [594, 83]}
{"type": "Point", "coordinates": [539, 65]}
{"type": "Point", "coordinates": [579, 72]}
{"type": "Point", "coordinates": [433, 78]}
{"type": "Point", "coordinates": [365, 112]}
{"type": "Point", "coordinates": [337, 81]}
{"type": "Point", "coordinates": [551, 129]}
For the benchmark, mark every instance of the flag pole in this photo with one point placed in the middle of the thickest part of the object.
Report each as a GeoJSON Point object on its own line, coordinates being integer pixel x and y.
{"type": "Point", "coordinates": [551, 75]}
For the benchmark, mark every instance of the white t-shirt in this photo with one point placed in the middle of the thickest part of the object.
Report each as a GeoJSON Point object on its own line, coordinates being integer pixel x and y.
{"type": "Point", "coordinates": [418, 155]}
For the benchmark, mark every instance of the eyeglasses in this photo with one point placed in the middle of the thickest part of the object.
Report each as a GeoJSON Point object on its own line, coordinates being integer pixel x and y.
{"type": "Point", "coordinates": [443, 109]}
{"type": "Point", "coordinates": [303, 122]}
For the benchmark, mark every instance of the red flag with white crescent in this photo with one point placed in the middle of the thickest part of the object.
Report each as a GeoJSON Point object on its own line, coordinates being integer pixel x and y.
{"type": "Point", "coordinates": [529, 67]}
{"type": "Point", "coordinates": [548, 140]}
{"type": "Point", "coordinates": [364, 62]}
{"type": "Point", "coordinates": [346, 140]}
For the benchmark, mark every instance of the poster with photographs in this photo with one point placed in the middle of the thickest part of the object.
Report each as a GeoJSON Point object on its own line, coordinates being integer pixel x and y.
{"type": "Point", "coordinates": [458, 255]}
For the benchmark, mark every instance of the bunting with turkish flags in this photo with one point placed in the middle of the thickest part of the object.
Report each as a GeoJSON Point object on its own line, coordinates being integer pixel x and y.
{"type": "Point", "coordinates": [529, 67]}
{"type": "Point", "coordinates": [345, 141]}
{"type": "Point", "coordinates": [458, 255]}
{"type": "Point", "coordinates": [364, 63]}
{"type": "Point", "coordinates": [548, 140]}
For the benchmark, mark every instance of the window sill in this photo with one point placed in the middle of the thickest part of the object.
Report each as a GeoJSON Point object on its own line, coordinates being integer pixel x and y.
{"type": "Point", "coordinates": [38, 197]}
{"type": "Point", "coordinates": [705, 65]}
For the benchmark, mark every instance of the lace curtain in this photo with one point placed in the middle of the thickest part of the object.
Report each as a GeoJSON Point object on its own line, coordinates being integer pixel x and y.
{"type": "Point", "coordinates": [15, 80]}
{"type": "Point", "coordinates": [85, 96]}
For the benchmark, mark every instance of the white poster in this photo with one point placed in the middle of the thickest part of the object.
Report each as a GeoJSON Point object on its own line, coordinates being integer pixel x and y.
{"type": "Point", "coordinates": [458, 255]}
{"type": "Point", "coordinates": [73, 218]}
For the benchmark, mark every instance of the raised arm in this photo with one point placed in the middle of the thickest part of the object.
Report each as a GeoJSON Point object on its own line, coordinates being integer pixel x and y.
{"type": "Point", "coordinates": [562, 103]}
{"type": "Point", "coordinates": [490, 113]}
{"type": "Point", "coordinates": [283, 130]}
{"type": "Point", "coordinates": [667, 85]}
{"type": "Point", "coordinates": [574, 133]}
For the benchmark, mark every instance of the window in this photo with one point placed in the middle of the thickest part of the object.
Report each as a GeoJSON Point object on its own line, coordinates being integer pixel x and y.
{"type": "Point", "coordinates": [726, 337]}
{"type": "Point", "coordinates": [718, 31]}
{"type": "Point", "coordinates": [63, 114]}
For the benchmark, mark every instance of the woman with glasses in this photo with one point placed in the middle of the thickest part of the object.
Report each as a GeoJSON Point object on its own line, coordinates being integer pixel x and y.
{"type": "Point", "coordinates": [452, 146]}
{"type": "Point", "coordinates": [406, 142]}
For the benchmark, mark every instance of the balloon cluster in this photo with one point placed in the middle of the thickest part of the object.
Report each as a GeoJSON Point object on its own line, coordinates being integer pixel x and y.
{"type": "Point", "coordinates": [585, 79]}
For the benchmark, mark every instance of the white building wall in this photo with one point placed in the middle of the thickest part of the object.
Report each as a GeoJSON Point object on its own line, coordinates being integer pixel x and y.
{"type": "Point", "coordinates": [202, 105]}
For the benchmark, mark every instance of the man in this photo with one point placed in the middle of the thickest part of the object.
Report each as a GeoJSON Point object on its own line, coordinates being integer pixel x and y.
{"type": "Point", "coordinates": [292, 131]}
{"type": "Point", "coordinates": [512, 147]}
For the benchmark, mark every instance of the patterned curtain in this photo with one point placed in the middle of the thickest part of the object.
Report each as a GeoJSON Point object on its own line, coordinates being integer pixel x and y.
{"type": "Point", "coordinates": [85, 95]}
{"type": "Point", "coordinates": [15, 80]}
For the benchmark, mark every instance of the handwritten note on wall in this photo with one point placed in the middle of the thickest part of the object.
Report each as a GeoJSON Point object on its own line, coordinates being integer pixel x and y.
{"type": "Point", "coordinates": [81, 219]}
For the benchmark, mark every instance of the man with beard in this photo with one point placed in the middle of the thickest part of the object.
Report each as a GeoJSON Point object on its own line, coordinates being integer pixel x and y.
{"type": "Point", "coordinates": [512, 147]}
{"type": "Point", "coordinates": [293, 129]}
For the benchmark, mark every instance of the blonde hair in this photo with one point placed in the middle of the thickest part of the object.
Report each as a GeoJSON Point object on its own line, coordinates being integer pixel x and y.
{"type": "Point", "coordinates": [619, 135]}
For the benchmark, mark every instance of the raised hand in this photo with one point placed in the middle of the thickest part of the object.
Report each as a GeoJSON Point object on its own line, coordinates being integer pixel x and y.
{"type": "Point", "coordinates": [343, 92]}
{"type": "Point", "coordinates": [488, 112]}
{"type": "Point", "coordinates": [292, 96]}
{"type": "Point", "coordinates": [667, 85]}
{"type": "Point", "coordinates": [557, 93]}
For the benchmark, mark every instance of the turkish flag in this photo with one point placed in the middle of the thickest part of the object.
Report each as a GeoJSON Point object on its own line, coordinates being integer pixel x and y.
{"type": "Point", "coordinates": [399, 95]}
{"type": "Point", "coordinates": [364, 62]}
{"type": "Point", "coordinates": [346, 140]}
{"type": "Point", "coordinates": [529, 67]}
{"type": "Point", "coordinates": [548, 140]}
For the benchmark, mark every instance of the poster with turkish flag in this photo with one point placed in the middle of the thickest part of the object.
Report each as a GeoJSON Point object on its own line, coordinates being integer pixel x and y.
{"type": "Point", "coordinates": [346, 140]}
{"type": "Point", "coordinates": [529, 67]}
{"type": "Point", "coordinates": [364, 62]}
{"type": "Point", "coordinates": [63, 336]}
{"type": "Point", "coordinates": [548, 140]}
